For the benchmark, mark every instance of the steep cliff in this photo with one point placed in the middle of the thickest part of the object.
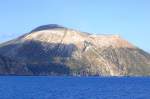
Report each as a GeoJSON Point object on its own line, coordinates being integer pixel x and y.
{"type": "Point", "coordinates": [57, 50]}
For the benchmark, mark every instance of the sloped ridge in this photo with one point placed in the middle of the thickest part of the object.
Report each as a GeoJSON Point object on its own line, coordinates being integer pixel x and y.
{"type": "Point", "coordinates": [47, 27]}
{"type": "Point", "coordinates": [63, 51]}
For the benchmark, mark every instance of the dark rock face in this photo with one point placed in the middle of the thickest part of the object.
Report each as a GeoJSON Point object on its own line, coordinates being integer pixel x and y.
{"type": "Point", "coordinates": [47, 27]}
{"type": "Point", "coordinates": [55, 50]}
{"type": "Point", "coordinates": [12, 67]}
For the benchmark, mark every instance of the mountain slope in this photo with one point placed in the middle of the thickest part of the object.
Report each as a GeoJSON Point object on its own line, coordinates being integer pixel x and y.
{"type": "Point", "coordinates": [57, 50]}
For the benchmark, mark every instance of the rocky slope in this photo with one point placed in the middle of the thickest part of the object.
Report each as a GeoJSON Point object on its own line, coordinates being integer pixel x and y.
{"type": "Point", "coordinates": [56, 50]}
{"type": "Point", "coordinates": [12, 67]}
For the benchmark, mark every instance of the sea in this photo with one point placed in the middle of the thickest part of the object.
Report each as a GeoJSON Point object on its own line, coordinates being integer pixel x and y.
{"type": "Point", "coordinates": [66, 87]}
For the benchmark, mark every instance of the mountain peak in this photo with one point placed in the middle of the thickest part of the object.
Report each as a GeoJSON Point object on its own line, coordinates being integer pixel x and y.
{"type": "Point", "coordinates": [56, 50]}
{"type": "Point", "coordinates": [47, 27]}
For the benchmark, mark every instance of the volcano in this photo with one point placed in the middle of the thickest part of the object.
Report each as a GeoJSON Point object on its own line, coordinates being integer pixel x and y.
{"type": "Point", "coordinates": [56, 50]}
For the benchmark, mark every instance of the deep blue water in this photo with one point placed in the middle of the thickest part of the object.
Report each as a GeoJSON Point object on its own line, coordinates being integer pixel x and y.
{"type": "Point", "coordinates": [23, 87]}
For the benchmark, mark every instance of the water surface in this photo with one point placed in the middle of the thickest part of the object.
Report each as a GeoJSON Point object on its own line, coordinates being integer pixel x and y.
{"type": "Point", "coordinates": [43, 87]}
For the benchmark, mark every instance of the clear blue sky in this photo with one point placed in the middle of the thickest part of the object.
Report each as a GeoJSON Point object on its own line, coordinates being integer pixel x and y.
{"type": "Point", "coordinates": [128, 18]}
